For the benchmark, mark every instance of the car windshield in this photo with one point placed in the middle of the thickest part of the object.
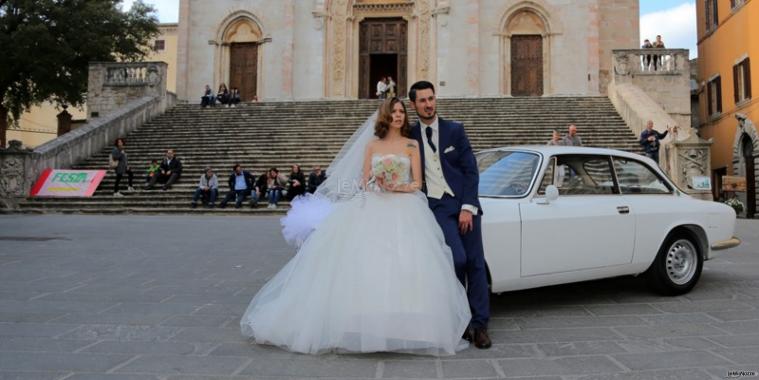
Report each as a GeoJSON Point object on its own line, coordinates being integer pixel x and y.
{"type": "Point", "coordinates": [506, 173]}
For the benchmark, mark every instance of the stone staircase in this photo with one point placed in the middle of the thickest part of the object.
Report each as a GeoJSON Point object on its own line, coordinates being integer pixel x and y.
{"type": "Point", "coordinates": [278, 134]}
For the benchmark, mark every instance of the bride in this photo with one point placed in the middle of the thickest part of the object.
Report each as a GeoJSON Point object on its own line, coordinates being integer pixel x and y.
{"type": "Point", "coordinates": [373, 272]}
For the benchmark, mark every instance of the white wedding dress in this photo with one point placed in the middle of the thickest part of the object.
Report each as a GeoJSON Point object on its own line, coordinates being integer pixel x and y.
{"type": "Point", "coordinates": [375, 275]}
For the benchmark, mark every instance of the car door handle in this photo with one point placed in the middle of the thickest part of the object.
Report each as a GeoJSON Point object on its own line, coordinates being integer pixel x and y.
{"type": "Point", "coordinates": [623, 209]}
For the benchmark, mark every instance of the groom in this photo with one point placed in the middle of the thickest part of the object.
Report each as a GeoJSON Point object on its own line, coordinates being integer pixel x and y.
{"type": "Point", "coordinates": [451, 178]}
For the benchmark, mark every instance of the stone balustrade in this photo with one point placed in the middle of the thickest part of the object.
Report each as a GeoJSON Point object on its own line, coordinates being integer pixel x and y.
{"type": "Point", "coordinates": [131, 74]}
{"type": "Point", "coordinates": [651, 62]}
{"type": "Point", "coordinates": [111, 85]}
{"type": "Point", "coordinates": [121, 97]}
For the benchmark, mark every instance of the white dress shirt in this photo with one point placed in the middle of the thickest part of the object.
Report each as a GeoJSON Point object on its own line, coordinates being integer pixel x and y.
{"type": "Point", "coordinates": [437, 186]}
{"type": "Point", "coordinates": [381, 88]}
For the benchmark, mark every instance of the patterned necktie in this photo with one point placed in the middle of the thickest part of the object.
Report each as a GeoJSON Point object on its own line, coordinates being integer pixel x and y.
{"type": "Point", "coordinates": [428, 131]}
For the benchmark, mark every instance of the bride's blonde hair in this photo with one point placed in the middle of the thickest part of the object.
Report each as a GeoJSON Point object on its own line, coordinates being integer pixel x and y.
{"type": "Point", "coordinates": [385, 118]}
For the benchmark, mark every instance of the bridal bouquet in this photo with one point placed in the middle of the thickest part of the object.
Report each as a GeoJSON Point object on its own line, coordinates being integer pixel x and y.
{"type": "Point", "coordinates": [388, 169]}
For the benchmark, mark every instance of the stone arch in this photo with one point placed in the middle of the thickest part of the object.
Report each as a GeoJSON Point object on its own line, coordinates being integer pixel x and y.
{"type": "Point", "coordinates": [746, 138]}
{"type": "Point", "coordinates": [531, 17]}
{"type": "Point", "coordinates": [238, 27]}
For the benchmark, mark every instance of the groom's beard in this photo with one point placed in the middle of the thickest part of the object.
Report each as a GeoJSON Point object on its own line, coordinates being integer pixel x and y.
{"type": "Point", "coordinates": [428, 119]}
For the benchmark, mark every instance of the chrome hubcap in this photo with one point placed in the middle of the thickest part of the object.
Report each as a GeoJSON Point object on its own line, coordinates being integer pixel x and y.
{"type": "Point", "coordinates": [682, 259]}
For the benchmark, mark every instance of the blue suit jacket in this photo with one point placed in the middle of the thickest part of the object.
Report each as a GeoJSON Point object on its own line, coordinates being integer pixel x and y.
{"type": "Point", "coordinates": [458, 164]}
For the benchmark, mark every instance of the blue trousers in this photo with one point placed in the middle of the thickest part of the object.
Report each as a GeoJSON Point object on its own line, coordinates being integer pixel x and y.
{"type": "Point", "coordinates": [207, 196]}
{"type": "Point", "coordinates": [653, 155]}
{"type": "Point", "coordinates": [239, 197]}
{"type": "Point", "coordinates": [468, 256]}
{"type": "Point", "coordinates": [274, 195]}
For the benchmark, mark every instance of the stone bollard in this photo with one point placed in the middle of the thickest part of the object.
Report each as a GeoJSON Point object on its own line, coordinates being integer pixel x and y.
{"type": "Point", "coordinates": [14, 177]}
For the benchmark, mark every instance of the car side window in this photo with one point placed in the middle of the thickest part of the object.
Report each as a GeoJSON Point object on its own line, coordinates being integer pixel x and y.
{"type": "Point", "coordinates": [636, 178]}
{"type": "Point", "coordinates": [548, 176]}
{"type": "Point", "coordinates": [583, 175]}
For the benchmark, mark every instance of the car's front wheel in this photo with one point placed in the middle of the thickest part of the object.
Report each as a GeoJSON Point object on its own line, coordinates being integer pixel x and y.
{"type": "Point", "coordinates": [677, 266]}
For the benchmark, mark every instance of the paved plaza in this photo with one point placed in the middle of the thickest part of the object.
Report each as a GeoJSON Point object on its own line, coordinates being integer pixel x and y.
{"type": "Point", "coordinates": [160, 297]}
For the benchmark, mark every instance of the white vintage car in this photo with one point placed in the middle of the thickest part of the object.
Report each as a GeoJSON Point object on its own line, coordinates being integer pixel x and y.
{"type": "Point", "coordinates": [556, 214]}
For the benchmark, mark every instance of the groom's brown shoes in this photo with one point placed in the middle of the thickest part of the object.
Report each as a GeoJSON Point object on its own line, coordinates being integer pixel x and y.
{"type": "Point", "coordinates": [481, 338]}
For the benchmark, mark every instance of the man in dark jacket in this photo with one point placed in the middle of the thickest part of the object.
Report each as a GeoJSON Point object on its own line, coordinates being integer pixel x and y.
{"type": "Point", "coordinates": [316, 178]}
{"type": "Point", "coordinates": [241, 184]}
{"type": "Point", "coordinates": [649, 139]}
{"type": "Point", "coordinates": [171, 170]}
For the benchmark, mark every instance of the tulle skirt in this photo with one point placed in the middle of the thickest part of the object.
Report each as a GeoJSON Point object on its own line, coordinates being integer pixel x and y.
{"type": "Point", "coordinates": [375, 275]}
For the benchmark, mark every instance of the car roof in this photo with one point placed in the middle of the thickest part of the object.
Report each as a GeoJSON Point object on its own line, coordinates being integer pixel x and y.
{"type": "Point", "coordinates": [548, 150]}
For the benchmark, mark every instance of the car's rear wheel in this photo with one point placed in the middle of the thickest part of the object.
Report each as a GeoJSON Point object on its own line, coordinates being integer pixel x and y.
{"type": "Point", "coordinates": [677, 266]}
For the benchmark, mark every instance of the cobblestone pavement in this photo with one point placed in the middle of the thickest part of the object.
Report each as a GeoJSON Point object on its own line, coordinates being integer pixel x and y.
{"type": "Point", "coordinates": [159, 297]}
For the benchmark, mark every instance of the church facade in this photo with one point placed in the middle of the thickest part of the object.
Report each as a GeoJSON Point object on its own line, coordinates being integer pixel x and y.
{"type": "Point", "coordinates": [339, 49]}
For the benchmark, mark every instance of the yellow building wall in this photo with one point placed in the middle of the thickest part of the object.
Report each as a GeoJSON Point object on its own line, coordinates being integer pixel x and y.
{"type": "Point", "coordinates": [736, 37]}
{"type": "Point", "coordinates": [39, 124]}
{"type": "Point", "coordinates": [168, 55]}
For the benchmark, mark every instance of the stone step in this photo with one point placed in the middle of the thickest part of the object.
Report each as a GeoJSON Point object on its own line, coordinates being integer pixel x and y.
{"type": "Point", "coordinates": [262, 135]}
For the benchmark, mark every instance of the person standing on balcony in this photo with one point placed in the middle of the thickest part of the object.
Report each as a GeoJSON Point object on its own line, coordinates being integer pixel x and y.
{"type": "Point", "coordinates": [650, 138]}
{"type": "Point", "coordinates": [647, 58]}
{"type": "Point", "coordinates": [658, 58]}
{"type": "Point", "coordinates": [120, 166]}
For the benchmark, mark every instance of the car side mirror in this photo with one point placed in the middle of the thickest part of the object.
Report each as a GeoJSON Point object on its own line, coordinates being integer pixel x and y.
{"type": "Point", "coordinates": [552, 194]}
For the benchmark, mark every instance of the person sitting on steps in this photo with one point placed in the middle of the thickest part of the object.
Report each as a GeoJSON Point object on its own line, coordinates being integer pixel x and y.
{"type": "Point", "coordinates": [171, 170]}
{"type": "Point", "coordinates": [208, 189]}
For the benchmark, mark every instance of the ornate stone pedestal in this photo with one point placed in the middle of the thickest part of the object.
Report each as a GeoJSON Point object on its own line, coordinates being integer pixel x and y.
{"type": "Point", "coordinates": [687, 159]}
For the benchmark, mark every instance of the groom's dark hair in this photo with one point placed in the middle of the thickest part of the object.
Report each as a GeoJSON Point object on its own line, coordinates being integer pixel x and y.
{"type": "Point", "coordinates": [421, 85]}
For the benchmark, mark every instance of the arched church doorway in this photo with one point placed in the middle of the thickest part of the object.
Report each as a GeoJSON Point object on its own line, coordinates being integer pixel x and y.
{"type": "Point", "coordinates": [243, 69]}
{"type": "Point", "coordinates": [383, 52]}
{"type": "Point", "coordinates": [526, 50]}
{"type": "Point", "coordinates": [747, 150]}
{"type": "Point", "coordinates": [526, 65]}
{"type": "Point", "coordinates": [240, 55]}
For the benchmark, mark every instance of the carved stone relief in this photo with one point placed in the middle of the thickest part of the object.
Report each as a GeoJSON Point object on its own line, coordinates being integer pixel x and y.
{"type": "Point", "coordinates": [12, 180]}
{"type": "Point", "coordinates": [423, 16]}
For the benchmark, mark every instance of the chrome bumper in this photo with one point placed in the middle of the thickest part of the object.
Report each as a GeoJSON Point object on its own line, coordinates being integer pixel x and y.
{"type": "Point", "coordinates": [725, 244]}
